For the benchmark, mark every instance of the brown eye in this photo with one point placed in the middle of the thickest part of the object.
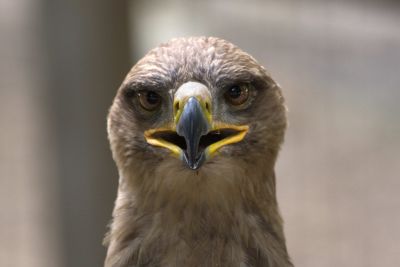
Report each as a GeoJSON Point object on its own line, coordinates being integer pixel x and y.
{"type": "Point", "coordinates": [149, 100]}
{"type": "Point", "coordinates": [237, 95]}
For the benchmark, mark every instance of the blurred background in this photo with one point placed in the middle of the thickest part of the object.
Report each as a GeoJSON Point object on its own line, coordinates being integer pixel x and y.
{"type": "Point", "coordinates": [338, 63]}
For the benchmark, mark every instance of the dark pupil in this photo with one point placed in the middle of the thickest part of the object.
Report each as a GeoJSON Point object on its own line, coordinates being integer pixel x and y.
{"type": "Point", "coordinates": [235, 92]}
{"type": "Point", "coordinates": [152, 98]}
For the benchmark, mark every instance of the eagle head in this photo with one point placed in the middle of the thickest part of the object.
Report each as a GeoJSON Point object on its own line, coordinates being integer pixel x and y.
{"type": "Point", "coordinates": [195, 129]}
{"type": "Point", "coordinates": [196, 106]}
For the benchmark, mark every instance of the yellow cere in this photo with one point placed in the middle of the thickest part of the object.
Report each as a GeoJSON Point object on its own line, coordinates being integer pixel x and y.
{"type": "Point", "coordinates": [180, 104]}
{"type": "Point", "coordinates": [206, 110]}
{"type": "Point", "coordinates": [177, 111]}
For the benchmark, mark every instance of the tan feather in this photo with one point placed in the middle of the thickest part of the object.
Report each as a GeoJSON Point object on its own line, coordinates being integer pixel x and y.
{"type": "Point", "coordinates": [226, 212]}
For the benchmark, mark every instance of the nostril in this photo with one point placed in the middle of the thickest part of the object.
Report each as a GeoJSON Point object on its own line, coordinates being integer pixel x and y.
{"type": "Point", "coordinates": [208, 108]}
{"type": "Point", "coordinates": [176, 107]}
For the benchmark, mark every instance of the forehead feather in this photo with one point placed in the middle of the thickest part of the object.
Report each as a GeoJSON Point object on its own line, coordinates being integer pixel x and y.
{"type": "Point", "coordinates": [195, 58]}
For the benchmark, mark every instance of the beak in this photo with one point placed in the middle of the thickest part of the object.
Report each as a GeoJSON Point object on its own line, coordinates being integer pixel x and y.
{"type": "Point", "coordinates": [193, 136]}
{"type": "Point", "coordinates": [192, 126]}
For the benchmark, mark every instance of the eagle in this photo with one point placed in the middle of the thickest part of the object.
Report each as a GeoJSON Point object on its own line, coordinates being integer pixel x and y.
{"type": "Point", "coordinates": [195, 130]}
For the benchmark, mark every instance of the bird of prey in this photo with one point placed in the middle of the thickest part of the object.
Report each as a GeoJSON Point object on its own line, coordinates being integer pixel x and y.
{"type": "Point", "coordinates": [195, 130]}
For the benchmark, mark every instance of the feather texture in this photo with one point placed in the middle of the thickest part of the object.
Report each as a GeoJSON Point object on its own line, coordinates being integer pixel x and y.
{"type": "Point", "coordinates": [225, 213]}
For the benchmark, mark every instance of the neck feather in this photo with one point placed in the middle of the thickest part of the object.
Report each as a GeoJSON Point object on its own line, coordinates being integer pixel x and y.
{"type": "Point", "coordinates": [181, 217]}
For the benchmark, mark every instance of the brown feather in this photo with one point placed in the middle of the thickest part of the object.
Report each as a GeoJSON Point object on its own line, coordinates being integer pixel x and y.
{"type": "Point", "coordinates": [225, 213]}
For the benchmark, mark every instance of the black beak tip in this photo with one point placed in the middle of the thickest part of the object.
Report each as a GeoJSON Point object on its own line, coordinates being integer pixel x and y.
{"type": "Point", "coordinates": [194, 167]}
{"type": "Point", "coordinates": [194, 164]}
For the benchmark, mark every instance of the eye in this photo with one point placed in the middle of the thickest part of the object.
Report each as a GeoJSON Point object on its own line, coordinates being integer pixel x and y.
{"type": "Point", "coordinates": [237, 94]}
{"type": "Point", "coordinates": [149, 100]}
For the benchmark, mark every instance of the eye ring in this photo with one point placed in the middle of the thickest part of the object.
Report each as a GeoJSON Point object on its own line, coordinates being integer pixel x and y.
{"type": "Point", "coordinates": [237, 95]}
{"type": "Point", "coordinates": [149, 100]}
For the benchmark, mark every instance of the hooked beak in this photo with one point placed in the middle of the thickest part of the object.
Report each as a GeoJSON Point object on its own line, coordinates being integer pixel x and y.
{"type": "Point", "coordinates": [194, 136]}
{"type": "Point", "coordinates": [192, 126]}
